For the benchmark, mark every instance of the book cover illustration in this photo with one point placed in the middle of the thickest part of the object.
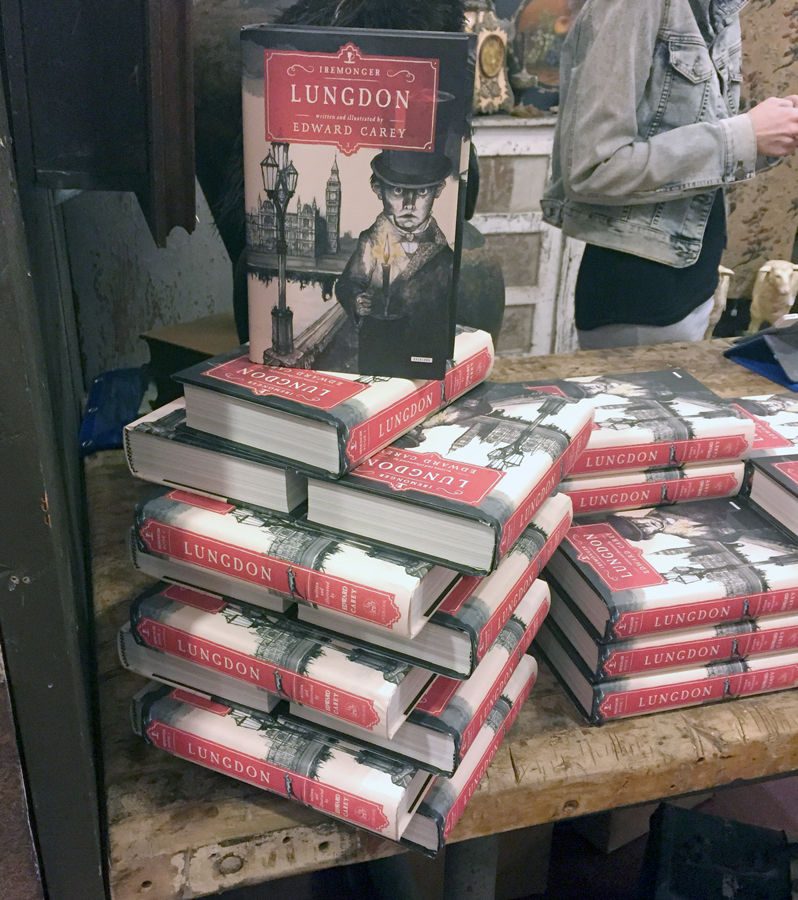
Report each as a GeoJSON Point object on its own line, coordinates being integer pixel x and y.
{"type": "Point", "coordinates": [445, 803]}
{"type": "Point", "coordinates": [290, 759]}
{"type": "Point", "coordinates": [355, 150]}
{"type": "Point", "coordinates": [367, 412]}
{"type": "Point", "coordinates": [277, 654]}
{"type": "Point", "coordinates": [292, 561]}
{"type": "Point", "coordinates": [460, 707]}
{"type": "Point", "coordinates": [656, 487]}
{"type": "Point", "coordinates": [655, 419]}
{"type": "Point", "coordinates": [675, 567]}
{"type": "Point", "coordinates": [481, 606]}
{"type": "Point", "coordinates": [495, 455]}
{"type": "Point", "coordinates": [775, 418]}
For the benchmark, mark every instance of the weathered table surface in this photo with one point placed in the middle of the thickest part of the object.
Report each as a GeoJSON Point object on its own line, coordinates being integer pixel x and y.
{"type": "Point", "coordinates": [176, 830]}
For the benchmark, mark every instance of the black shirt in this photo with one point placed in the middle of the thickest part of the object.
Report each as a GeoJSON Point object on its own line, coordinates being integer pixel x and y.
{"type": "Point", "coordinates": [615, 288]}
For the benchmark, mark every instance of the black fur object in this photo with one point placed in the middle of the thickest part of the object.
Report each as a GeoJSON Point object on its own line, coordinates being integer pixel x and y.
{"type": "Point", "coordinates": [409, 15]}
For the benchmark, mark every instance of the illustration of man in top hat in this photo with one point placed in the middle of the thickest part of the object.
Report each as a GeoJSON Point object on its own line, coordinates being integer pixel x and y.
{"type": "Point", "coordinates": [401, 269]}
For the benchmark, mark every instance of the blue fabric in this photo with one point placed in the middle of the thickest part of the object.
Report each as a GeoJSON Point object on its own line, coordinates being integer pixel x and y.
{"type": "Point", "coordinates": [756, 354]}
{"type": "Point", "coordinates": [113, 402]}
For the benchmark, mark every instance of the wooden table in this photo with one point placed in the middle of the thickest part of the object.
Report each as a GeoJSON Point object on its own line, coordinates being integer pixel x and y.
{"type": "Point", "coordinates": [178, 831]}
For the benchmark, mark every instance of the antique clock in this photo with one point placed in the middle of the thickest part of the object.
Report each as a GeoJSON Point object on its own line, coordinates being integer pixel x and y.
{"type": "Point", "coordinates": [492, 92]}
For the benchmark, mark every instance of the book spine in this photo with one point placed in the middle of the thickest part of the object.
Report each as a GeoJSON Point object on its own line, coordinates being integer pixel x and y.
{"type": "Point", "coordinates": [699, 652]}
{"type": "Point", "coordinates": [705, 612]}
{"type": "Point", "coordinates": [467, 374]}
{"type": "Point", "coordinates": [300, 583]}
{"type": "Point", "coordinates": [633, 496]}
{"type": "Point", "coordinates": [621, 704]}
{"type": "Point", "coordinates": [278, 680]}
{"type": "Point", "coordinates": [457, 809]}
{"type": "Point", "coordinates": [519, 520]}
{"type": "Point", "coordinates": [661, 455]}
{"type": "Point", "coordinates": [472, 729]}
{"type": "Point", "coordinates": [258, 772]}
{"type": "Point", "coordinates": [129, 451]}
{"type": "Point", "coordinates": [391, 423]}
{"type": "Point", "coordinates": [670, 656]}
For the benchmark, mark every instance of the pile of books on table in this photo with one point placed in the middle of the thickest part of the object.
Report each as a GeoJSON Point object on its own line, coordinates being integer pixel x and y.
{"type": "Point", "coordinates": [364, 654]}
{"type": "Point", "coordinates": [662, 608]}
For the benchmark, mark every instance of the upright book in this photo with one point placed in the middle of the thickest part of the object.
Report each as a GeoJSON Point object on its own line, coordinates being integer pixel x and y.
{"type": "Point", "coordinates": [656, 570]}
{"type": "Point", "coordinates": [654, 420]}
{"type": "Point", "coordinates": [465, 625]}
{"type": "Point", "coordinates": [270, 562]}
{"type": "Point", "coordinates": [321, 420]}
{"type": "Point", "coordinates": [355, 164]}
{"type": "Point", "coordinates": [462, 487]}
{"type": "Point", "coordinates": [288, 658]}
{"type": "Point", "coordinates": [617, 698]}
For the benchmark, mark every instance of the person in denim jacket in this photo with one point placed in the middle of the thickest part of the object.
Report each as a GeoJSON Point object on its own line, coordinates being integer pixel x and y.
{"type": "Point", "coordinates": [649, 134]}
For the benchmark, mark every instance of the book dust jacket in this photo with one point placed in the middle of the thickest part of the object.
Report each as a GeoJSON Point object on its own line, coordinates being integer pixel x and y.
{"type": "Point", "coordinates": [355, 162]}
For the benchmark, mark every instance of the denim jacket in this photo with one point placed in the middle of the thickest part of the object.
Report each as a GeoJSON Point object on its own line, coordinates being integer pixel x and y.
{"type": "Point", "coordinates": [649, 125]}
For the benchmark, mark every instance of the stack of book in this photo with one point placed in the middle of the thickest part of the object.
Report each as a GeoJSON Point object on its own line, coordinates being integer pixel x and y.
{"type": "Point", "coordinates": [660, 438]}
{"type": "Point", "coordinates": [365, 652]}
{"type": "Point", "coordinates": [663, 608]}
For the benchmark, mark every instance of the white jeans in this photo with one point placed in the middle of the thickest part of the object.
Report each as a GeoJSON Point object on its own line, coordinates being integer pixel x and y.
{"type": "Point", "coordinates": [690, 328]}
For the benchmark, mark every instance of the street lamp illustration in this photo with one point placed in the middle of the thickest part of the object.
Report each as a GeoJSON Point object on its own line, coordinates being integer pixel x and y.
{"type": "Point", "coordinates": [280, 179]}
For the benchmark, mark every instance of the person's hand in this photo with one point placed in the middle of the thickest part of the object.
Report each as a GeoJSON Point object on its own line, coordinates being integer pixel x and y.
{"type": "Point", "coordinates": [776, 125]}
{"type": "Point", "coordinates": [363, 305]}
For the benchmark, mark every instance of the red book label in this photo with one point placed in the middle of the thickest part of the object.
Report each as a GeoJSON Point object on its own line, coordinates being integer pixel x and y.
{"type": "Point", "coordinates": [319, 390]}
{"type": "Point", "coordinates": [276, 679]}
{"type": "Point", "coordinates": [382, 428]}
{"type": "Point", "coordinates": [438, 695]}
{"type": "Point", "coordinates": [218, 709]}
{"type": "Point", "coordinates": [268, 776]}
{"type": "Point", "coordinates": [199, 600]}
{"type": "Point", "coordinates": [765, 436]}
{"type": "Point", "coordinates": [790, 469]}
{"type": "Point", "coordinates": [472, 784]}
{"type": "Point", "coordinates": [776, 678]}
{"type": "Point", "coordinates": [277, 575]}
{"type": "Point", "coordinates": [466, 374]}
{"type": "Point", "coordinates": [686, 653]}
{"type": "Point", "coordinates": [617, 563]}
{"type": "Point", "coordinates": [430, 473]}
{"type": "Point", "coordinates": [767, 640]}
{"type": "Point", "coordinates": [666, 696]}
{"type": "Point", "coordinates": [350, 99]}
{"type": "Point", "coordinates": [605, 499]}
{"type": "Point", "coordinates": [657, 456]}
{"type": "Point", "coordinates": [201, 502]}
{"type": "Point", "coordinates": [686, 615]}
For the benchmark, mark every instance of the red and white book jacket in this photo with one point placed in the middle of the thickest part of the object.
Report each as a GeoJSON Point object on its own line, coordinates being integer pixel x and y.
{"type": "Point", "coordinates": [650, 571]}
{"type": "Point", "coordinates": [265, 560]}
{"type": "Point", "coordinates": [275, 653]}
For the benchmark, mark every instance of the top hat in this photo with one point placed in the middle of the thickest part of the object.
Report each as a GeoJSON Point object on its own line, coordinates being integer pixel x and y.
{"type": "Point", "coordinates": [629, 529]}
{"type": "Point", "coordinates": [411, 169]}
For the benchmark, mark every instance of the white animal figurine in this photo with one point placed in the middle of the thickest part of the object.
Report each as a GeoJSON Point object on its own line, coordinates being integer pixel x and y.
{"type": "Point", "coordinates": [719, 299]}
{"type": "Point", "coordinates": [774, 292]}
